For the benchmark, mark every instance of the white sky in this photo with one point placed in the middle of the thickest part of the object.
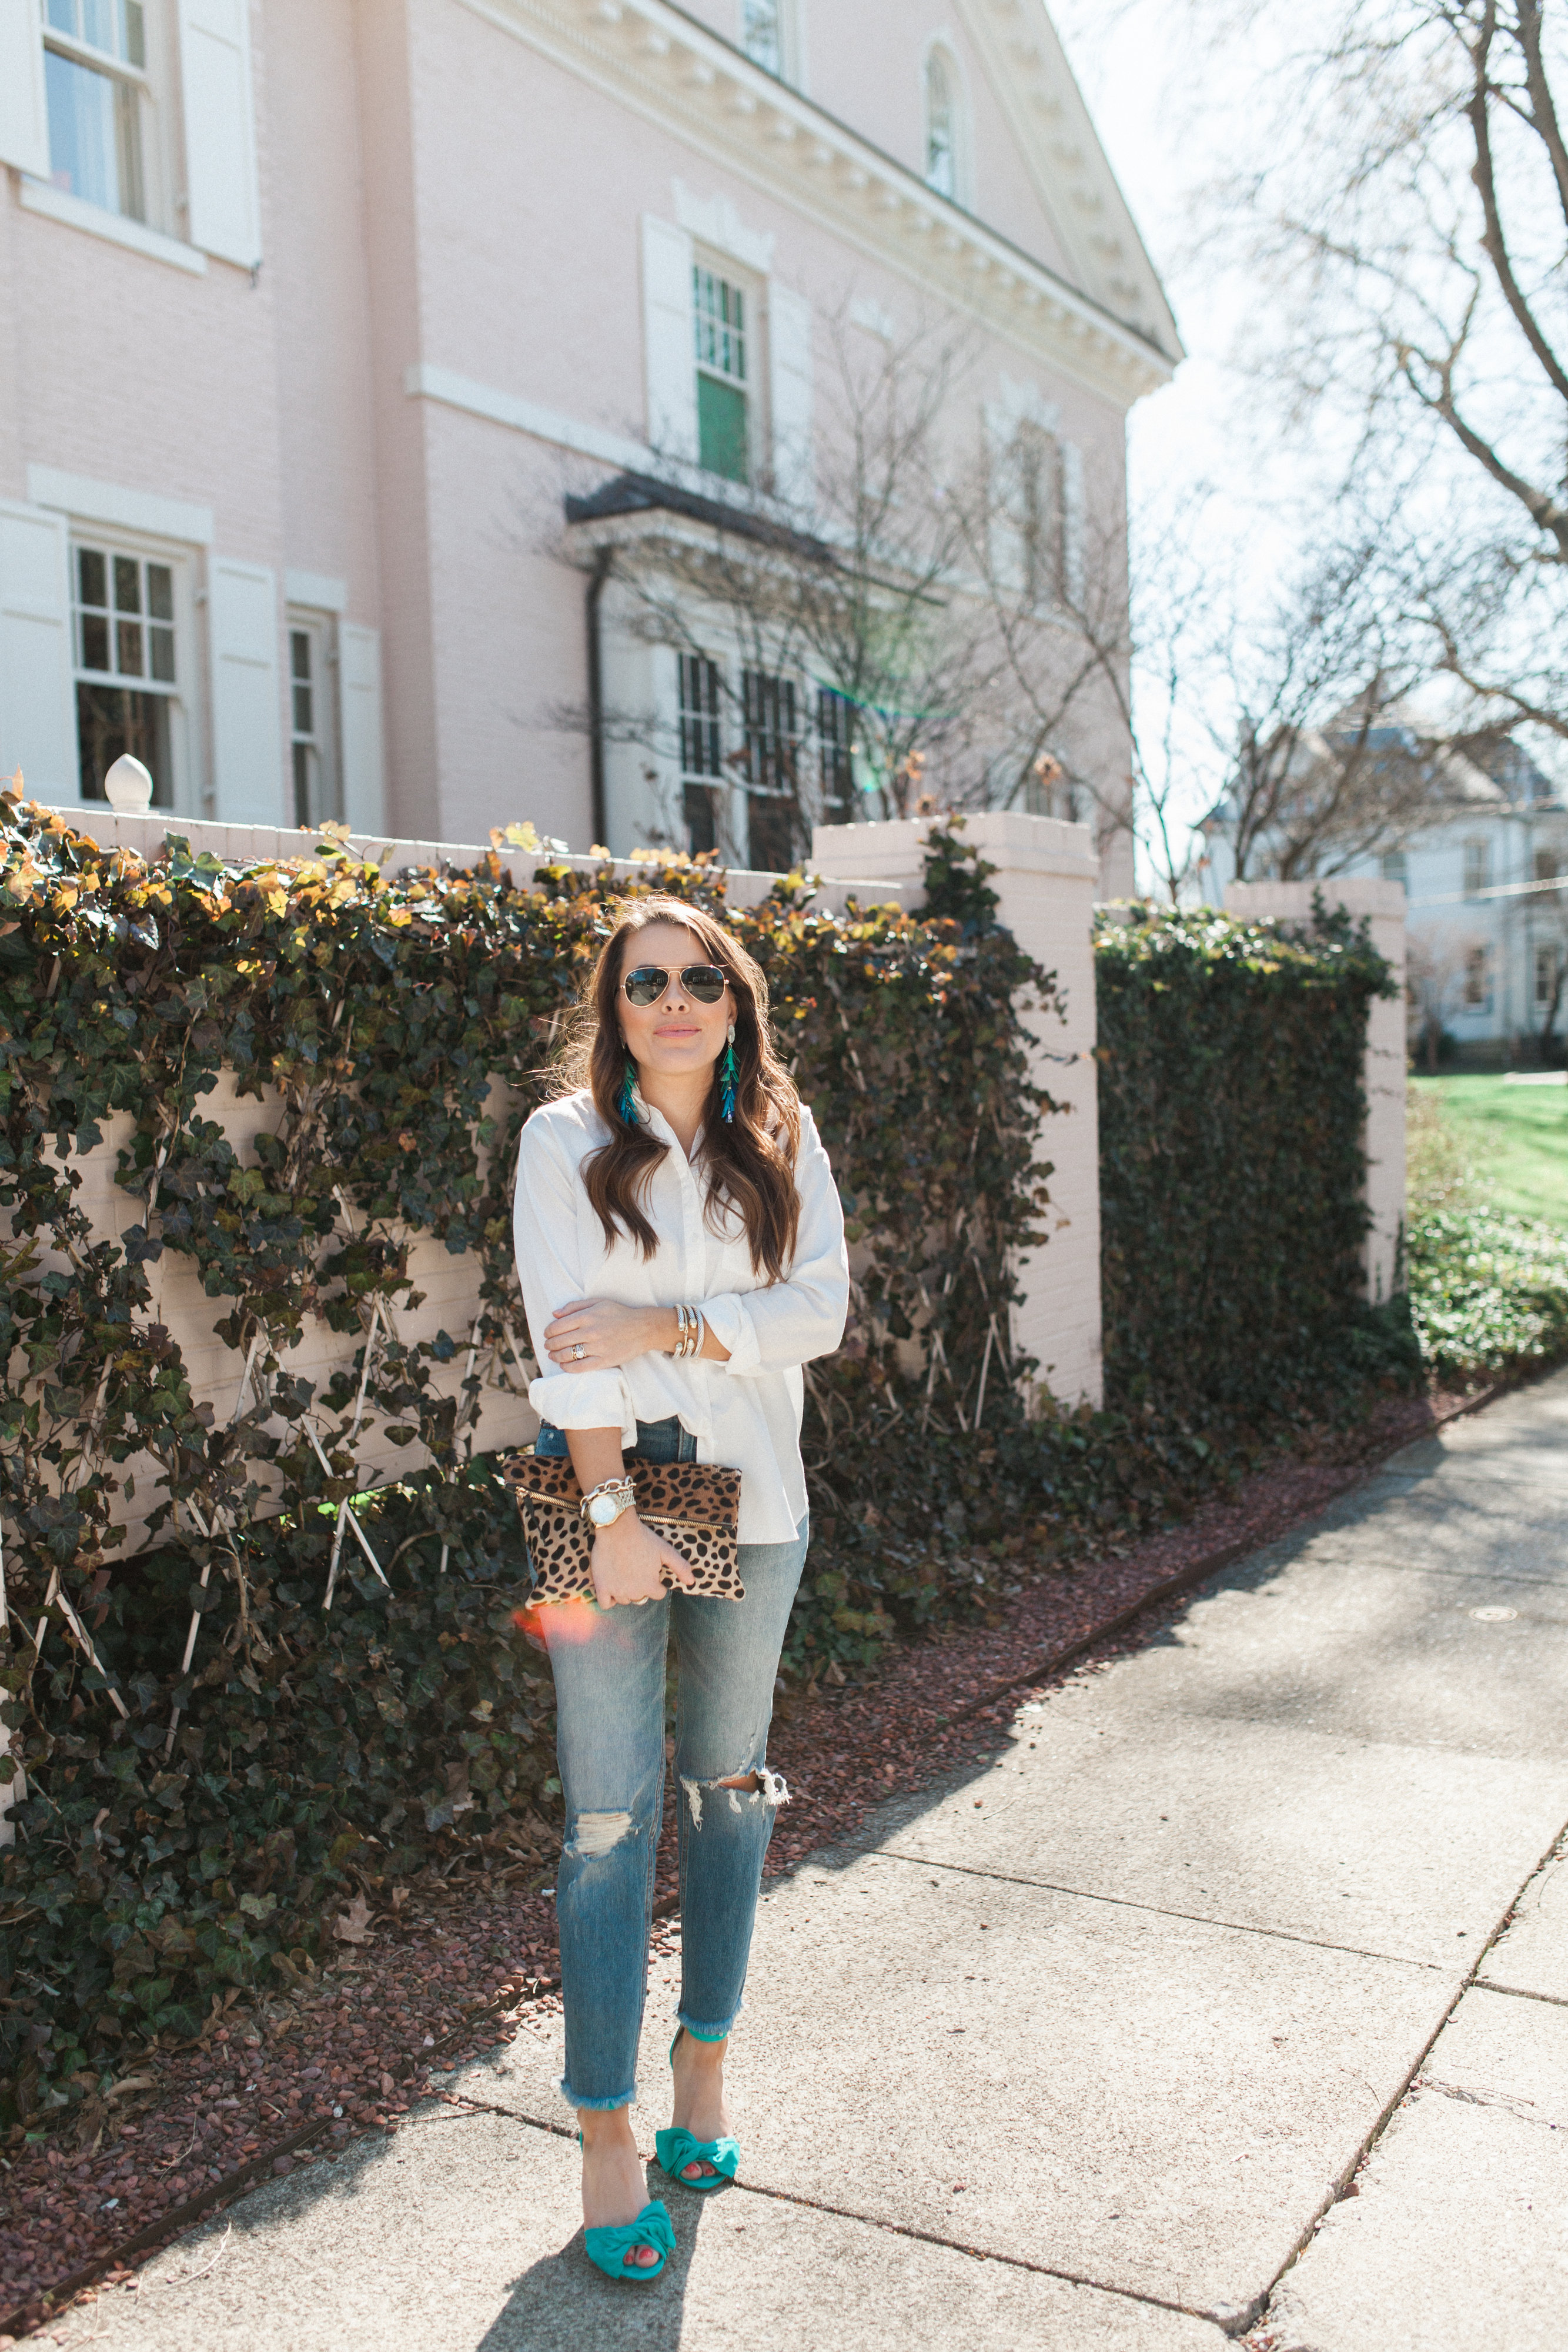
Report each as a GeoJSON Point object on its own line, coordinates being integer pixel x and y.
{"type": "Point", "coordinates": [1130, 63]}
{"type": "Point", "coordinates": [1172, 122]}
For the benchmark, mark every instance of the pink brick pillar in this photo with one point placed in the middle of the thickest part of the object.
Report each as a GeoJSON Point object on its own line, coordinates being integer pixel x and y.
{"type": "Point", "coordinates": [1045, 879]}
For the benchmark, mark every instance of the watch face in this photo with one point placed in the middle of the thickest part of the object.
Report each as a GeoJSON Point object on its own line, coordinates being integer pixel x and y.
{"type": "Point", "coordinates": [604, 1510]}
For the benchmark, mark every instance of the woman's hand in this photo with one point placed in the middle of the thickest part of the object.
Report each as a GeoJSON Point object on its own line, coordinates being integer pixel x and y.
{"type": "Point", "coordinates": [630, 1564]}
{"type": "Point", "coordinates": [607, 1336]}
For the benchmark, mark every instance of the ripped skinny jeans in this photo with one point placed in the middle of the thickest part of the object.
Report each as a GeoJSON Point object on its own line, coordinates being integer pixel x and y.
{"type": "Point", "coordinates": [609, 1668]}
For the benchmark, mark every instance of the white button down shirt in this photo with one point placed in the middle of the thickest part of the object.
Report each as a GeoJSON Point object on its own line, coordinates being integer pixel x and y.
{"type": "Point", "coordinates": [745, 1412]}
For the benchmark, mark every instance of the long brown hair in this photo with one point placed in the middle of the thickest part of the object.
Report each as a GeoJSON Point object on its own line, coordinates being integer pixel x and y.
{"type": "Point", "coordinates": [749, 1161]}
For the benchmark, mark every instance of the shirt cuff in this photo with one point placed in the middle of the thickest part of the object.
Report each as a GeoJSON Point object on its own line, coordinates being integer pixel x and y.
{"type": "Point", "coordinates": [732, 1325]}
{"type": "Point", "coordinates": [585, 1401]}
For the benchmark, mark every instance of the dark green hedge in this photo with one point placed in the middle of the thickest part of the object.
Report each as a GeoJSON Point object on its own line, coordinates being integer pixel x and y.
{"type": "Point", "coordinates": [1231, 1166]}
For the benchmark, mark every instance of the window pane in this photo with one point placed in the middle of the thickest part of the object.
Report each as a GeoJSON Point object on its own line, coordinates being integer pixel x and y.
{"type": "Point", "coordinates": [304, 783]}
{"type": "Point", "coordinates": [127, 585]}
{"type": "Point", "coordinates": [92, 576]}
{"type": "Point", "coordinates": [770, 746]}
{"type": "Point", "coordinates": [84, 139]}
{"type": "Point", "coordinates": [773, 831]}
{"type": "Point", "coordinates": [161, 650]}
{"type": "Point", "coordinates": [97, 25]}
{"type": "Point", "coordinates": [128, 649]}
{"type": "Point", "coordinates": [299, 652]}
{"type": "Point", "coordinates": [159, 591]}
{"type": "Point", "coordinates": [135, 49]}
{"type": "Point", "coordinates": [721, 430]}
{"type": "Point", "coordinates": [938, 129]}
{"type": "Point", "coordinates": [63, 18]}
{"type": "Point", "coordinates": [699, 681]}
{"type": "Point", "coordinates": [720, 321]}
{"type": "Point", "coordinates": [702, 833]}
{"type": "Point", "coordinates": [111, 719]}
{"type": "Point", "coordinates": [761, 34]}
{"type": "Point", "coordinates": [304, 719]}
{"type": "Point", "coordinates": [94, 641]}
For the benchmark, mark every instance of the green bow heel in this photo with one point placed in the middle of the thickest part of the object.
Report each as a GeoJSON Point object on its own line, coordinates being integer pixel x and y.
{"type": "Point", "coordinates": [677, 2147]}
{"type": "Point", "coordinates": [608, 2248]}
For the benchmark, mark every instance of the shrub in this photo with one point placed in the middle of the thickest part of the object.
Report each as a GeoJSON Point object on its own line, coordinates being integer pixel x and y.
{"type": "Point", "coordinates": [1489, 1292]}
{"type": "Point", "coordinates": [1231, 1168]}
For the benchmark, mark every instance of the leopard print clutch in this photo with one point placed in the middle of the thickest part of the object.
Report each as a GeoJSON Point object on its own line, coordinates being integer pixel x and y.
{"type": "Point", "coordinates": [694, 1506]}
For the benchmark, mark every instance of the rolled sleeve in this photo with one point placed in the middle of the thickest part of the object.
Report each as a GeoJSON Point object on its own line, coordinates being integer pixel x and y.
{"type": "Point", "coordinates": [545, 1232]}
{"type": "Point", "coordinates": [585, 1401]}
{"type": "Point", "coordinates": [792, 1322]}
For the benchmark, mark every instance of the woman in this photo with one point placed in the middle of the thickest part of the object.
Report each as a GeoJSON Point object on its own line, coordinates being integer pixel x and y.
{"type": "Point", "coordinates": [682, 1173]}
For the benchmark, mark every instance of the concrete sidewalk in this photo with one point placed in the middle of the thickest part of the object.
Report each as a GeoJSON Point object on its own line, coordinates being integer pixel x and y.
{"type": "Point", "coordinates": [1198, 2010]}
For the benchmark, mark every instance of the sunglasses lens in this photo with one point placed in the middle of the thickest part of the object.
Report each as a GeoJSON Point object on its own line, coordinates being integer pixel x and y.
{"type": "Point", "coordinates": [704, 982]}
{"type": "Point", "coordinates": [646, 985]}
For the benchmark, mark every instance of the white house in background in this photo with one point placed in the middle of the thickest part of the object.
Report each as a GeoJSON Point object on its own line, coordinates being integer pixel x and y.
{"type": "Point", "coordinates": [311, 312]}
{"type": "Point", "coordinates": [1486, 885]}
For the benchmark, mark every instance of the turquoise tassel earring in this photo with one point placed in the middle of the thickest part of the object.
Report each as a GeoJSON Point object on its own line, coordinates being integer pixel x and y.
{"type": "Point", "coordinates": [728, 1074]}
{"type": "Point", "coordinates": [626, 1102]}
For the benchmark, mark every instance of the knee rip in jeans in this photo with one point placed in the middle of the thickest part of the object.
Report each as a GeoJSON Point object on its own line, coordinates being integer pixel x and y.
{"type": "Point", "coordinates": [595, 1834]}
{"type": "Point", "coordinates": [770, 1786]}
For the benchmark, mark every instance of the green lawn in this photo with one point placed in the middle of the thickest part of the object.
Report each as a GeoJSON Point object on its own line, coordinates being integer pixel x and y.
{"type": "Point", "coordinates": [1512, 1138]}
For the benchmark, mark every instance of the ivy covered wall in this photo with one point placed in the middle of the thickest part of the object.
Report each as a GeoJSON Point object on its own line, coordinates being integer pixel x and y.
{"type": "Point", "coordinates": [206, 1744]}
{"type": "Point", "coordinates": [1232, 1160]}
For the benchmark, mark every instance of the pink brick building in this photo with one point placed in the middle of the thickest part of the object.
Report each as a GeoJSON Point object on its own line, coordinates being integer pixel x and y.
{"type": "Point", "coordinates": [315, 313]}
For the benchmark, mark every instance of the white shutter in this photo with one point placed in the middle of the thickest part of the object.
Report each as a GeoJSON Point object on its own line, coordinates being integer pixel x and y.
{"type": "Point", "coordinates": [1009, 555]}
{"type": "Point", "coordinates": [360, 701]}
{"type": "Point", "coordinates": [248, 743]}
{"type": "Point", "coordinates": [24, 115]}
{"type": "Point", "coordinates": [1073, 548]}
{"type": "Point", "coordinates": [37, 707]}
{"type": "Point", "coordinates": [791, 395]}
{"type": "Point", "coordinates": [224, 216]}
{"type": "Point", "coordinates": [669, 342]}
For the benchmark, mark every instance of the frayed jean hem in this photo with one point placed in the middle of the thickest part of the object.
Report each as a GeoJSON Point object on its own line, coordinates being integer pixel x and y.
{"type": "Point", "coordinates": [597, 2106]}
{"type": "Point", "coordinates": [701, 2030]}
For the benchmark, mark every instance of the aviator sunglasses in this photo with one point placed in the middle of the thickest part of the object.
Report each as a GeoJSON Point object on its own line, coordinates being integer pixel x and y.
{"type": "Point", "coordinates": [648, 982]}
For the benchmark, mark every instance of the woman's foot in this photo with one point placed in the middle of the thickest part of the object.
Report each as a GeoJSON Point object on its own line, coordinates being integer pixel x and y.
{"type": "Point", "coordinates": [700, 2106]}
{"type": "Point", "coordinates": [614, 2186]}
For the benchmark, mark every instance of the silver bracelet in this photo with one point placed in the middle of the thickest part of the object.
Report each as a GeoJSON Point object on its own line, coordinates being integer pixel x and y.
{"type": "Point", "coordinates": [690, 1332]}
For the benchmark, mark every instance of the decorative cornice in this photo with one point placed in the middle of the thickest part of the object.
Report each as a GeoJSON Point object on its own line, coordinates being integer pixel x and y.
{"type": "Point", "coordinates": [654, 59]}
{"type": "Point", "coordinates": [1072, 174]}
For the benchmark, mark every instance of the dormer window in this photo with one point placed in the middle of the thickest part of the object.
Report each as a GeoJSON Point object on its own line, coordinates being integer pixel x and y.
{"type": "Point", "coordinates": [762, 33]}
{"type": "Point", "coordinates": [941, 129]}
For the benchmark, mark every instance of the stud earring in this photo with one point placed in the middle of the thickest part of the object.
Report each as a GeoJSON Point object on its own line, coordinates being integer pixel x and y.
{"type": "Point", "coordinates": [728, 1074]}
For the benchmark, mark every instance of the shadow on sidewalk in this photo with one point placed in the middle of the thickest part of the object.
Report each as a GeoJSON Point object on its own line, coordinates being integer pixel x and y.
{"type": "Point", "coordinates": [562, 2303]}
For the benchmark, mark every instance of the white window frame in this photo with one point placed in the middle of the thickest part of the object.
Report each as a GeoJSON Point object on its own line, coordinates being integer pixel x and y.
{"type": "Point", "coordinates": [1477, 853]}
{"type": "Point", "coordinates": [942, 51]}
{"type": "Point", "coordinates": [148, 88]}
{"type": "Point", "coordinates": [183, 695]}
{"type": "Point", "coordinates": [753, 382]}
{"type": "Point", "coordinates": [1477, 981]}
{"type": "Point", "coordinates": [318, 627]}
{"type": "Point", "coordinates": [789, 34]}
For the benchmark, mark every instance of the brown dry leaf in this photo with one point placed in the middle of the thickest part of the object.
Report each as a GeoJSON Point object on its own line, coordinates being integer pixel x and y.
{"type": "Point", "coordinates": [352, 1926]}
{"type": "Point", "coordinates": [132, 2082]}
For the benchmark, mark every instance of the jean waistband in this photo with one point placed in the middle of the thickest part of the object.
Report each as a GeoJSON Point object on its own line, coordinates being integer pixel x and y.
{"type": "Point", "coordinates": [657, 1441]}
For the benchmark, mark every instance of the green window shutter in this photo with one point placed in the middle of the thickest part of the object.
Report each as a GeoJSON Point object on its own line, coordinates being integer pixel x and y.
{"type": "Point", "coordinates": [721, 430]}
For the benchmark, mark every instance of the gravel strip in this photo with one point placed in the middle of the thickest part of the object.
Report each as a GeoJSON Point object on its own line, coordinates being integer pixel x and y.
{"type": "Point", "coordinates": [452, 1965]}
